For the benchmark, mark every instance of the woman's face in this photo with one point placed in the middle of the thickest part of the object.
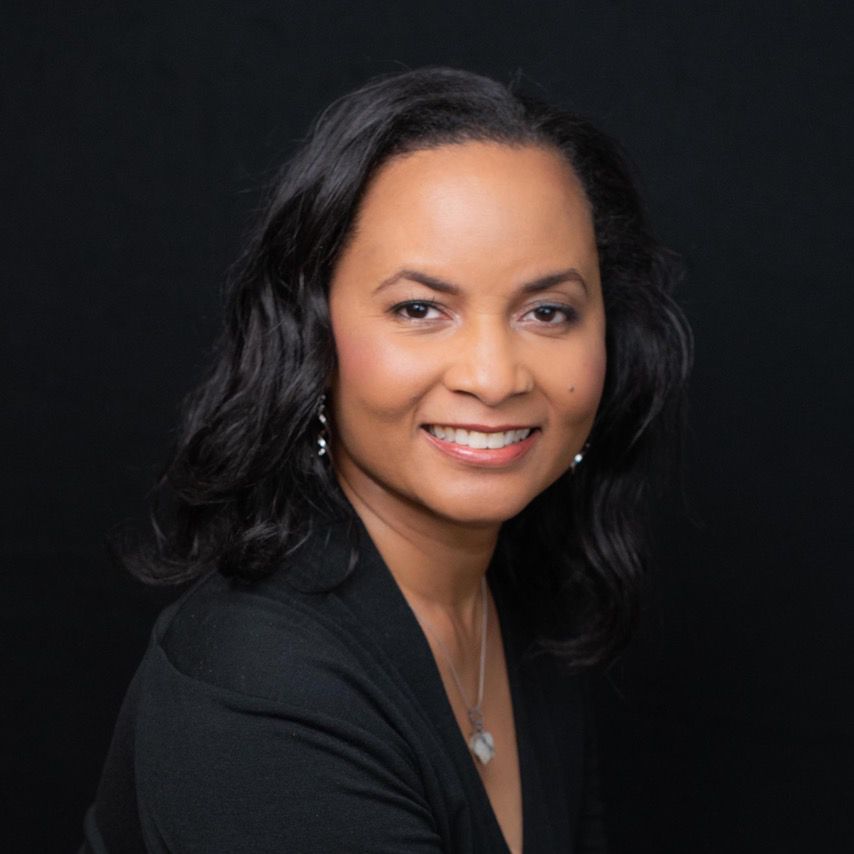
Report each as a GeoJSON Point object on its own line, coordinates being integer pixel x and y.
{"type": "Point", "coordinates": [470, 332]}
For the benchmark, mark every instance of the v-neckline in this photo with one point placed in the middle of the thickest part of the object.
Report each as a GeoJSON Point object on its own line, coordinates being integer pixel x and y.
{"type": "Point", "coordinates": [409, 649]}
{"type": "Point", "coordinates": [373, 595]}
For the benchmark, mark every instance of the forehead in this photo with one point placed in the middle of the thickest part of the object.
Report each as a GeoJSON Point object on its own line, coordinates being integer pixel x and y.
{"type": "Point", "coordinates": [474, 201]}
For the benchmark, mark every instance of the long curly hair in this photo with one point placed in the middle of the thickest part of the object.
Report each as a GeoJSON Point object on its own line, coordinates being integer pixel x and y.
{"type": "Point", "coordinates": [244, 485]}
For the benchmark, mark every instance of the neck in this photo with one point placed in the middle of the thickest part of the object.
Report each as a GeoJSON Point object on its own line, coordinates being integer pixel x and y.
{"type": "Point", "coordinates": [437, 563]}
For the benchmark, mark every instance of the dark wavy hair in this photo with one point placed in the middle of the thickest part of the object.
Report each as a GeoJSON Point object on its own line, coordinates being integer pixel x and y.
{"type": "Point", "coordinates": [245, 486]}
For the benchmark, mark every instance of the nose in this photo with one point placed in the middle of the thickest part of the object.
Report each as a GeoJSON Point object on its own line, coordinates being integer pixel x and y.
{"type": "Point", "coordinates": [485, 360]}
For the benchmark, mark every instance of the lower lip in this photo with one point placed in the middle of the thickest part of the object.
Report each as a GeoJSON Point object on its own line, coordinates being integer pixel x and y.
{"type": "Point", "coordinates": [488, 457]}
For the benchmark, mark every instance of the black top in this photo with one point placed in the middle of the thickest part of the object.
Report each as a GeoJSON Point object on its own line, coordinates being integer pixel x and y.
{"type": "Point", "coordinates": [305, 713]}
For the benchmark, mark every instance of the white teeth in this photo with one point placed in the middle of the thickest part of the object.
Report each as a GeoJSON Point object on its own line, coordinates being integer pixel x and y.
{"type": "Point", "coordinates": [496, 440]}
{"type": "Point", "coordinates": [477, 440]}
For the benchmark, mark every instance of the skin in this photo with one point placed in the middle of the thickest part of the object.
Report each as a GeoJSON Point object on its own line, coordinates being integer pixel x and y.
{"type": "Point", "coordinates": [488, 218]}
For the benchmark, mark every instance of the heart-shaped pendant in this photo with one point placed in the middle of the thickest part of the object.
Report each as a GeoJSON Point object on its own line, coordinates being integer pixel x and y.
{"type": "Point", "coordinates": [482, 745]}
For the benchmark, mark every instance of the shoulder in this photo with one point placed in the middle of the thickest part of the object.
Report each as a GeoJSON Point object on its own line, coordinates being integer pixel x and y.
{"type": "Point", "coordinates": [265, 641]}
{"type": "Point", "coordinates": [238, 679]}
{"type": "Point", "coordinates": [253, 709]}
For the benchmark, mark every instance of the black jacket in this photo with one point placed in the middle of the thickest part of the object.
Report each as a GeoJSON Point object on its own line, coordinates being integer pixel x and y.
{"type": "Point", "coordinates": [305, 713]}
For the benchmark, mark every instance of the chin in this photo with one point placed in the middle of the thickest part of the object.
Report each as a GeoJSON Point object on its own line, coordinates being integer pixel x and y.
{"type": "Point", "coordinates": [486, 513]}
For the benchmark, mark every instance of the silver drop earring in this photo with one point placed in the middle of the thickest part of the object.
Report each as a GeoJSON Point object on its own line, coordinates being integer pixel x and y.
{"type": "Point", "coordinates": [323, 434]}
{"type": "Point", "coordinates": [576, 460]}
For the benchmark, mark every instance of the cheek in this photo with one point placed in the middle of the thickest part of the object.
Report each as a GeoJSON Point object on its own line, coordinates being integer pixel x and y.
{"type": "Point", "coordinates": [580, 389]}
{"type": "Point", "coordinates": [377, 374]}
{"type": "Point", "coordinates": [359, 359]}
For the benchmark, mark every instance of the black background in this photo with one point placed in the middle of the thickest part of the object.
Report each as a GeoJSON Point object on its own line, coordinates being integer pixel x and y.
{"type": "Point", "coordinates": [137, 139]}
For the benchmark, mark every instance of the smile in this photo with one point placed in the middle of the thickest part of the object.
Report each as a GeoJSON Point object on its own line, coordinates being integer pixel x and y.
{"type": "Point", "coordinates": [478, 440]}
{"type": "Point", "coordinates": [482, 449]}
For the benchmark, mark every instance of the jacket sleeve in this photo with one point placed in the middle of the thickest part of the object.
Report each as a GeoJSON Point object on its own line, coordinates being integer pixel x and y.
{"type": "Point", "coordinates": [219, 771]}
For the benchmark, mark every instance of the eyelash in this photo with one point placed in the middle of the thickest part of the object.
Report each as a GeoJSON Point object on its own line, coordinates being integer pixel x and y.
{"type": "Point", "coordinates": [570, 313]}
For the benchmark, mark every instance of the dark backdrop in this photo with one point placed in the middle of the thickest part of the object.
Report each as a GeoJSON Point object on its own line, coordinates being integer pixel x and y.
{"type": "Point", "coordinates": [137, 138]}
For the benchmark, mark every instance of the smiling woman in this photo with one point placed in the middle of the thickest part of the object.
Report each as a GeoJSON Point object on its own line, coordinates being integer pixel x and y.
{"type": "Point", "coordinates": [410, 491]}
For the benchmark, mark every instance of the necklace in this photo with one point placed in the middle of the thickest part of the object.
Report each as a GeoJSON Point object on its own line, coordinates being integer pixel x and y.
{"type": "Point", "coordinates": [480, 741]}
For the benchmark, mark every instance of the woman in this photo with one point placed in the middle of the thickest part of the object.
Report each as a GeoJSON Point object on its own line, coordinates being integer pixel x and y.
{"type": "Point", "coordinates": [410, 489]}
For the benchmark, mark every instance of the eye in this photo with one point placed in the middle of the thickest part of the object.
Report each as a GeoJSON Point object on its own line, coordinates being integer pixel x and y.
{"type": "Point", "coordinates": [416, 310]}
{"type": "Point", "coordinates": [550, 314]}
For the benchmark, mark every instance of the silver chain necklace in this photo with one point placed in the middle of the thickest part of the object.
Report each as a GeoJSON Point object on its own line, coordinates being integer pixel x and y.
{"type": "Point", "coordinates": [480, 741]}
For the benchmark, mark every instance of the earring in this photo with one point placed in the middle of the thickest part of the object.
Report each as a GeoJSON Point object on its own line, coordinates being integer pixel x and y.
{"type": "Point", "coordinates": [576, 460]}
{"type": "Point", "coordinates": [323, 434]}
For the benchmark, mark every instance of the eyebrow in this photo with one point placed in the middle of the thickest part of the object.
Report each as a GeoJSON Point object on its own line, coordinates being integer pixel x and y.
{"type": "Point", "coordinates": [543, 283]}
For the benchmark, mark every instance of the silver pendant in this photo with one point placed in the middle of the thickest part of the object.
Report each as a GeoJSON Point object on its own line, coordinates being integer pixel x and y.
{"type": "Point", "coordinates": [482, 745]}
{"type": "Point", "coordinates": [481, 742]}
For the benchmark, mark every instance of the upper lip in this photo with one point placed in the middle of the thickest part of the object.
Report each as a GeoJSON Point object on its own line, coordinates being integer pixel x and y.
{"type": "Point", "coordinates": [482, 428]}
